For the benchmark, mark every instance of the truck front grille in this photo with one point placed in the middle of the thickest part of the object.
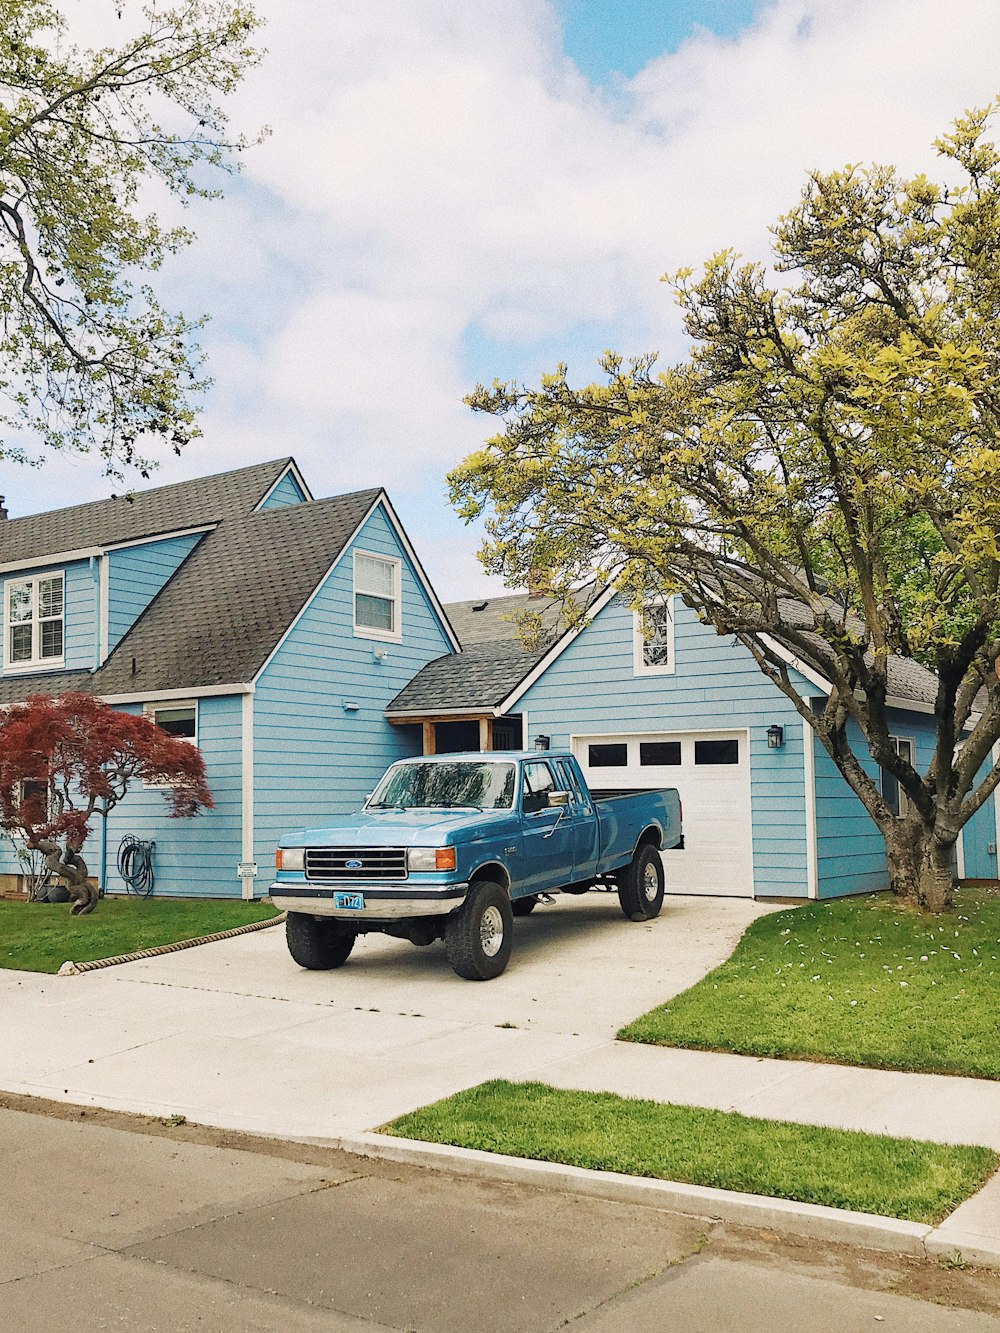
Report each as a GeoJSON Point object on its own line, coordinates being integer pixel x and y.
{"type": "Point", "coordinates": [342, 863]}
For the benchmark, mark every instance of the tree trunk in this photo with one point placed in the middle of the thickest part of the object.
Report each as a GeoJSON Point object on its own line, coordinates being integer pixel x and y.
{"type": "Point", "coordinates": [921, 865]}
{"type": "Point", "coordinates": [71, 867]}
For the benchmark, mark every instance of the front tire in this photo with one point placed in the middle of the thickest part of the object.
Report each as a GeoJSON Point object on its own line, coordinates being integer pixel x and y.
{"type": "Point", "coordinates": [317, 945]}
{"type": "Point", "coordinates": [478, 934]}
{"type": "Point", "coordinates": [641, 884]}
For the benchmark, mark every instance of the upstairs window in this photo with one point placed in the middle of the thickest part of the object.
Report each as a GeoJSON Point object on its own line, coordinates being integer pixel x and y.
{"type": "Point", "coordinates": [653, 638]}
{"type": "Point", "coordinates": [377, 596]}
{"type": "Point", "coordinates": [33, 622]}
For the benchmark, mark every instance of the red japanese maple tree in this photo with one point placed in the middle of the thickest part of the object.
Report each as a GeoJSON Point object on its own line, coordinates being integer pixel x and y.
{"type": "Point", "coordinates": [64, 760]}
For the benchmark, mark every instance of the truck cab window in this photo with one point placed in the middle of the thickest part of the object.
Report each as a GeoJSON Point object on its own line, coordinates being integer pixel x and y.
{"type": "Point", "coordinates": [538, 782]}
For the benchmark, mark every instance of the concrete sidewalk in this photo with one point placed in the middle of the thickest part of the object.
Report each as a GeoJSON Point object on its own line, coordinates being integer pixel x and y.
{"type": "Point", "coordinates": [233, 1034]}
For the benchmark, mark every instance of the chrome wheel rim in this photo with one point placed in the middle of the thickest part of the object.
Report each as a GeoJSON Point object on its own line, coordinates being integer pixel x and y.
{"type": "Point", "coordinates": [491, 932]}
{"type": "Point", "coordinates": [650, 882]}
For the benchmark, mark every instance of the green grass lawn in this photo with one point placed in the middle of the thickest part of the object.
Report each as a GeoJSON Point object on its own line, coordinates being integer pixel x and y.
{"type": "Point", "coordinates": [904, 1178]}
{"type": "Point", "coordinates": [860, 981]}
{"type": "Point", "coordinates": [40, 937]}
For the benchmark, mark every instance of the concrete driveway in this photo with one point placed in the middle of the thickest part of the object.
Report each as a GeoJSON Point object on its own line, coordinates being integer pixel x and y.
{"type": "Point", "coordinates": [235, 1034]}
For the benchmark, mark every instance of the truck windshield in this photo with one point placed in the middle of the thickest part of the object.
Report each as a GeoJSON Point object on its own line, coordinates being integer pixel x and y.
{"type": "Point", "coordinates": [446, 786]}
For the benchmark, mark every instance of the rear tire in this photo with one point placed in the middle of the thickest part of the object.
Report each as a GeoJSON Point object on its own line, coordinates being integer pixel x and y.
{"type": "Point", "coordinates": [522, 906]}
{"type": "Point", "coordinates": [317, 945]}
{"type": "Point", "coordinates": [478, 934]}
{"type": "Point", "coordinates": [641, 884]}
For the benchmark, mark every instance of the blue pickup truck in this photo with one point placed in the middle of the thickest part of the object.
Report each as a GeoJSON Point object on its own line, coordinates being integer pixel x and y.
{"type": "Point", "coordinates": [455, 846]}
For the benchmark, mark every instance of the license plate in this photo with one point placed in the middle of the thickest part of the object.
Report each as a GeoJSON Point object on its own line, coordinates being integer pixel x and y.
{"type": "Point", "coordinates": [349, 902]}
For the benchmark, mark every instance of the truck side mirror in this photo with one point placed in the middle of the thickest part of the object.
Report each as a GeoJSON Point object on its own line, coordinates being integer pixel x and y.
{"type": "Point", "coordinates": [557, 798]}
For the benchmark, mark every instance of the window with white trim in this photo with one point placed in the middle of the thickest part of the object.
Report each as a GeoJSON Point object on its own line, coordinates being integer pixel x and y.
{"type": "Point", "coordinates": [176, 719]}
{"type": "Point", "coordinates": [892, 793]}
{"type": "Point", "coordinates": [377, 599]}
{"type": "Point", "coordinates": [653, 637]}
{"type": "Point", "coordinates": [34, 621]}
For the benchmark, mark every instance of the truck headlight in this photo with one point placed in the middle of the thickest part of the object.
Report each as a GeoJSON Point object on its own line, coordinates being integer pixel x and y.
{"type": "Point", "coordinates": [290, 858]}
{"type": "Point", "coordinates": [430, 858]}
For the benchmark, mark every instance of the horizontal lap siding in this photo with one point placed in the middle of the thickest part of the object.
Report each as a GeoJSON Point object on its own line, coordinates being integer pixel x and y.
{"type": "Point", "coordinates": [980, 834]}
{"type": "Point", "coordinates": [313, 760]}
{"type": "Point", "coordinates": [135, 576]}
{"type": "Point", "coordinates": [592, 689]}
{"type": "Point", "coordinates": [287, 492]}
{"type": "Point", "coordinates": [850, 850]}
{"type": "Point", "coordinates": [193, 857]}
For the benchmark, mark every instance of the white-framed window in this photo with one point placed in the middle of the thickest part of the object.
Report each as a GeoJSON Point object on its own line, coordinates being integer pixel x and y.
{"type": "Point", "coordinates": [178, 719]}
{"type": "Point", "coordinates": [41, 797]}
{"type": "Point", "coordinates": [377, 596]}
{"type": "Point", "coordinates": [892, 793]}
{"type": "Point", "coordinates": [653, 638]}
{"type": "Point", "coordinates": [34, 626]}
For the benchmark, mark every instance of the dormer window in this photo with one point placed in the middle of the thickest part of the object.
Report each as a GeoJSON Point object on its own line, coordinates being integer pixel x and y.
{"type": "Point", "coordinates": [377, 597]}
{"type": "Point", "coordinates": [33, 622]}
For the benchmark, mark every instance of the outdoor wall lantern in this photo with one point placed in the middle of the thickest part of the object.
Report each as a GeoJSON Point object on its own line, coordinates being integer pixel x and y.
{"type": "Point", "coordinates": [541, 742]}
{"type": "Point", "coordinates": [775, 736]}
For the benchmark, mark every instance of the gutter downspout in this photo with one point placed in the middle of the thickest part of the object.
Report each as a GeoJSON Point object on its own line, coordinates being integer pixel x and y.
{"type": "Point", "coordinates": [95, 576]}
{"type": "Point", "coordinates": [102, 883]}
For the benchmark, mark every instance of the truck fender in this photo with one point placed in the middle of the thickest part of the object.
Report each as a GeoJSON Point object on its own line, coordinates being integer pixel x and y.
{"type": "Point", "coordinates": [493, 870]}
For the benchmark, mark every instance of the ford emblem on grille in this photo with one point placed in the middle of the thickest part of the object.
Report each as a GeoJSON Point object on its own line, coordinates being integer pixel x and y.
{"type": "Point", "coordinates": [353, 865]}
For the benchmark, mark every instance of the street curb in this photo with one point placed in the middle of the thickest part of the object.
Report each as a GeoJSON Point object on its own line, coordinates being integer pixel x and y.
{"type": "Point", "coordinates": [69, 969]}
{"type": "Point", "coordinates": [807, 1220]}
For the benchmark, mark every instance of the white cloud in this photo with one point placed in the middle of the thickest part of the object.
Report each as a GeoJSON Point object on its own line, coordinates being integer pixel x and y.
{"type": "Point", "coordinates": [438, 168]}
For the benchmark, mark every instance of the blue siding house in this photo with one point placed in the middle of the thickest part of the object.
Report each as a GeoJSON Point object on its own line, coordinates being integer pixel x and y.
{"type": "Point", "coordinates": [764, 815]}
{"type": "Point", "coordinates": [300, 645]}
{"type": "Point", "coordinates": [269, 628]}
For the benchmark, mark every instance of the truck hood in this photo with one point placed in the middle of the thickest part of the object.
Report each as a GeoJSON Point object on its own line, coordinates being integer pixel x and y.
{"type": "Point", "coordinates": [402, 828]}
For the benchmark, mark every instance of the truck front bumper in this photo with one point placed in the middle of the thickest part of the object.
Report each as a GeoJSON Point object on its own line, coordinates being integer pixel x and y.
{"type": "Point", "coordinates": [381, 903]}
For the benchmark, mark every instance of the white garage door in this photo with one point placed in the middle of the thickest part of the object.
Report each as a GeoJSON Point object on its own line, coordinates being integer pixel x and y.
{"type": "Point", "coordinates": [711, 770]}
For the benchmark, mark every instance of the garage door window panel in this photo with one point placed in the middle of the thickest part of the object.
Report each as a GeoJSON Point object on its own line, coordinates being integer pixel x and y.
{"type": "Point", "coordinates": [717, 752]}
{"type": "Point", "coordinates": [655, 753]}
{"type": "Point", "coordinates": [608, 755]}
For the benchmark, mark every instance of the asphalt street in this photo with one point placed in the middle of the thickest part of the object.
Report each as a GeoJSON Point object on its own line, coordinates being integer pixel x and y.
{"type": "Point", "coordinates": [118, 1222]}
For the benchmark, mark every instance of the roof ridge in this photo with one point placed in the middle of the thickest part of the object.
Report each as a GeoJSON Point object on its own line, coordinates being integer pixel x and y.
{"type": "Point", "coordinates": [153, 490]}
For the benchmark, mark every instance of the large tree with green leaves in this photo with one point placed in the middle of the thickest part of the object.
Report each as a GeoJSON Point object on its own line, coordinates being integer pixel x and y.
{"type": "Point", "coordinates": [820, 479]}
{"type": "Point", "coordinates": [89, 359]}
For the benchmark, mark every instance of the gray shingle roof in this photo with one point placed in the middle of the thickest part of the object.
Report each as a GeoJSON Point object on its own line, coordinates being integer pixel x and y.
{"type": "Point", "coordinates": [478, 678]}
{"type": "Point", "coordinates": [225, 609]}
{"type": "Point", "coordinates": [183, 504]}
{"type": "Point", "coordinates": [492, 662]}
{"type": "Point", "coordinates": [906, 679]}
{"type": "Point", "coordinates": [490, 619]}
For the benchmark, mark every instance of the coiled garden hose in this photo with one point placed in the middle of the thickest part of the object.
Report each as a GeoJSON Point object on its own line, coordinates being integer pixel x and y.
{"type": "Point", "coordinates": [135, 865]}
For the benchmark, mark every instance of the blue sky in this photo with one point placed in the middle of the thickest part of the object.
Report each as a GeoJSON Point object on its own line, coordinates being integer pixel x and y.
{"type": "Point", "coordinates": [606, 38]}
{"type": "Point", "coordinates": [455, 193]}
